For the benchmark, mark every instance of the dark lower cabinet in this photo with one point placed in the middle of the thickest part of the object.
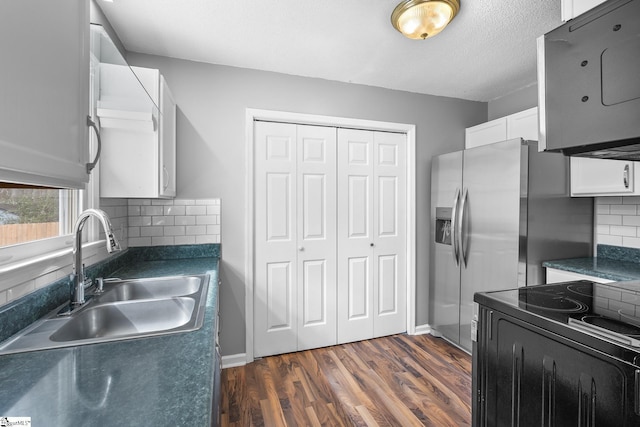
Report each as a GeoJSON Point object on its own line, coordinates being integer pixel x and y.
{"type": "Point", "coordinates": [524, 375]}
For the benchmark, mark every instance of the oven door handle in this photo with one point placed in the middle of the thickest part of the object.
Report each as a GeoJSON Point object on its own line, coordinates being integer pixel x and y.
{"type": "Point", "coordinates": [603, 333]}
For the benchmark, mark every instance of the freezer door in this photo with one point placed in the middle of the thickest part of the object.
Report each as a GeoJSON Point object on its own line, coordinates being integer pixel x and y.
{"type": "Point", "coordinates": [495, 186]}
{"type": "Point", "coordinates": [446, 185]}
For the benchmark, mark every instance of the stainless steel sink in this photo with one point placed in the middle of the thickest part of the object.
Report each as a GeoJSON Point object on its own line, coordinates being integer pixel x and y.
{"type": "Point", "coordinates": [126, 318]}
{"type": "Point", "coordinates": [127, 309]}
{"type": "Point", "coordinates": [153, 288]}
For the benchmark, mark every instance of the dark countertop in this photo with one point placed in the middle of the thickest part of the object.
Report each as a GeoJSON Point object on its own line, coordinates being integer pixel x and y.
{"type": "Point", "coordinates": [612, 263]}
{"type": "Point", "coordinates": [163, 380]}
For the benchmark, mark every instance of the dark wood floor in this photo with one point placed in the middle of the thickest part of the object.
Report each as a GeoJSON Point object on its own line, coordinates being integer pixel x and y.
{"type": "Point", "coordinates": [399, 380]}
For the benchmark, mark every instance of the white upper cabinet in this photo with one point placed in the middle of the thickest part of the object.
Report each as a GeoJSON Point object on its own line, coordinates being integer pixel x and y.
{"type": "Point", "coordinates": [519, 125]}
{"type": "Point", "coordinates": [486, 133]}
{"type": "Point", "coordinates": [573, 8]}
{"type": "Point", "coordinates": [139, 140]}
{"type": "Point", "coordinates": [137, 116]}
{"type": "Point", "coordinates": [44, 92]}
{"type": "Point", "coordinates": [599, 177]}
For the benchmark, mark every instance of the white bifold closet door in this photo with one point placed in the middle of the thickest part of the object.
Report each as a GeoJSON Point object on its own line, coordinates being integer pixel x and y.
{"type": "Point", "coordinates": [371, 234]}
{"type": "Point", "coordinates": [295, 227]}
{"type": "Point", "coordinates": [330, 236]}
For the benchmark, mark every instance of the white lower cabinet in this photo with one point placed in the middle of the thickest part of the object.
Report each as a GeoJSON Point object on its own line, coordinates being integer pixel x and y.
{"type": "Point", "coordinates": [600, 177]}
{"type": "Point", "coordinates": [556, 276]}
{"type": "Point", "coordinates": [330, 251]}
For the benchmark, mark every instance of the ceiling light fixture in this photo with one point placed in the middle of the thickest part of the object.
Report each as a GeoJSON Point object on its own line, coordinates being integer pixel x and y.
{"type": "Point", "coordinates": [419, 19]}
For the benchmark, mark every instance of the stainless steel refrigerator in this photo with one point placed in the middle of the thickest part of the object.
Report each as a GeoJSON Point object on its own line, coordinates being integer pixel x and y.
{"type": "Point", "coordinates": [497, 212]}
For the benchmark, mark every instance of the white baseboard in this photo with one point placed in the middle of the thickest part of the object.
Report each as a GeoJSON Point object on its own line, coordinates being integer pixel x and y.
{"type": "Point", "coordinates": [233, 360]}
{"type": "Point", "coordinates": [422, 329]}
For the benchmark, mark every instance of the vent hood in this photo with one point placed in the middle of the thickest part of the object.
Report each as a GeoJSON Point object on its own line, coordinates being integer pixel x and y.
{"type": "Point", "coordinates": [589, 84]}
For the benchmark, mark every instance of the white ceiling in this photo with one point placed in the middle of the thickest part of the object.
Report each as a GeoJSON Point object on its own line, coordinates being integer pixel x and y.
{"type": "Point", "coordinates": [488, 50]}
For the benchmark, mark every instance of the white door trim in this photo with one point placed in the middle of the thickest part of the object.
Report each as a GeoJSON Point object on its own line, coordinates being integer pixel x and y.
{"type": "Point", "coordinates": [251, 115]}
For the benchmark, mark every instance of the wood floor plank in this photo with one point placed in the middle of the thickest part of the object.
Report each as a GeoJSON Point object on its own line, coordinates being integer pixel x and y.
{"type": "Point", "coordinates": [399, 380]}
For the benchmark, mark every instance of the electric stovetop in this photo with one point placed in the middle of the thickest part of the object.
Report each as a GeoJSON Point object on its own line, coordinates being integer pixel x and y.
{"type": "Point", "coordinates": [606, 316]}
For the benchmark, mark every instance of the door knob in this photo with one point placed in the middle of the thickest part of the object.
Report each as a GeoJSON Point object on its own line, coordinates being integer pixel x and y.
{"type": "Point", "coordinates": [372, 245]}
{"type": "Point", "coordinates": [301, 248]}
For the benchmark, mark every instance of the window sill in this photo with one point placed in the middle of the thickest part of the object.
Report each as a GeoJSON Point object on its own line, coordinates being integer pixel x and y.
{"type": "Point", "coordinates": [46, 268]}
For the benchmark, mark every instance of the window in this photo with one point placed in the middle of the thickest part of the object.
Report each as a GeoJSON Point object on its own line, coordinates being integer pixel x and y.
{"type": "Point", "coordinates": [30, 214]}
{"type": "Point", "coordinates": [35, 220]}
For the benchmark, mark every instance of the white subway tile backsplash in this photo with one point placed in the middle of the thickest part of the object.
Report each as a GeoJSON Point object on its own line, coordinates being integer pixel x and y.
{"type": "Point", "coordinates": [174, 222]}
{"type": "Point", "coordinates": [183, 202]}
{"type": "Point", "coordinates": [175, 210]}
{"type": "Point", "coordinates": [195, 230]}
{"type": "Point", "coordinates": [609, 219]}
{"type": "Point", "coordinates": [631, 220]}
{"type": "Point", "coordinates": [153, 231]}
{"type": "Point", "coordinates": [622, 209]}
{"type": "Point", "coordinates": [206, 238]}
{"type": "Point", "coordinates": [206, 219]}
{"type": "Point", "coordinates": [609, 240]}
{"type": "Point", "coordinates": [163, 220]}
{"type": "Point", "coordinates": [151, 210]}
{"type": "Point", "coordinates": [185, 220]}
{"type": "Point", "coordinates": [631, 242]}
{"type": "Point", "coordinates": [631, 200]}
{"type": "Point", "coordinates": [177, 230]}
{"type": "Point", "coordinates": [140, 241]}
{"type": "Point", "coordinates": [185, 240]}
{"type": "Point", "coordinates": [623, 231]}
{"type": "Point", "coordinates": [139, 202]}
{"type": "Point", "coordinates": [162, 241]}
{"type": "Point", "coordinates": [134, 232]}
{"type": "Point", "coordinates": [139, 221]}
{"type": "Point", "coordinates": [196, 210]}
{"type": "Point", "coordinates": [618, 221]}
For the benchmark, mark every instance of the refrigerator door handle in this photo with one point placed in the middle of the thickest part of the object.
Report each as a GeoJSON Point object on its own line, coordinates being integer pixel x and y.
{"type": "Point", "coordinates": [461, 238]}
{"type": "Point", "coordinates": [455, 249]}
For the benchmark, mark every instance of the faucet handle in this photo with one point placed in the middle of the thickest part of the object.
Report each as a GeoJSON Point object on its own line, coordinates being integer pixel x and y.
{"type": "Point", "coordinates": [99, 282]}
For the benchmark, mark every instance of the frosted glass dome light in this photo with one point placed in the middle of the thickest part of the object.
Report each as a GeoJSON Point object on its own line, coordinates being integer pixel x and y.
{"type": "Point", "coordinates": [420, 19]}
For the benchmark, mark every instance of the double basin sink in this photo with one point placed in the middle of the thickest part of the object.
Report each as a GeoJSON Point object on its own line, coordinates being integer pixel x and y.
{"type": "Point", "coordinates": [126, 309]}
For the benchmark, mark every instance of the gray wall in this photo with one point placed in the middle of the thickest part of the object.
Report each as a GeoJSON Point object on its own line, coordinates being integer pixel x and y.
{"type": "Point", "coordinates": [211, 150]}
{"type": "Point", "coordinates": [514, 102]}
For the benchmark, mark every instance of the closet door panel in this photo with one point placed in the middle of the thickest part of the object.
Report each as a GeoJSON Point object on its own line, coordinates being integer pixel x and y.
{"type": "Point", "coordinates": [275, 290]}
{"type": "Point", "coordinates": [390, 233]}
{"type": "Point", "coordinates": [355, 240]}
{"type": "Point", "coordinates": [316, 236]}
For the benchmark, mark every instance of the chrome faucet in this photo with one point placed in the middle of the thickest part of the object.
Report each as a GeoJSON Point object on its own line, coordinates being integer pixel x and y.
{"type": "Point", "coordinates": [78, 270]}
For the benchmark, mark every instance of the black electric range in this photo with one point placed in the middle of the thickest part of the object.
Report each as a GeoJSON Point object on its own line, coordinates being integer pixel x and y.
{"type": "Point", "coordinates": [602, 316]}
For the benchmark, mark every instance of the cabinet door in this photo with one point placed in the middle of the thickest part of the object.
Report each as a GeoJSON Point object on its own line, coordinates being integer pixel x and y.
{"type": "Point", "coordinates": [592, 177]}
{"type": "Point", "coordinates": [167, 141]}
{"type": "Point", "coordinates": [486, 133]}
{"type": "Point", "coordinates": [44, 87]}
{"type": "Point", "coordinates": [523, 125]}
